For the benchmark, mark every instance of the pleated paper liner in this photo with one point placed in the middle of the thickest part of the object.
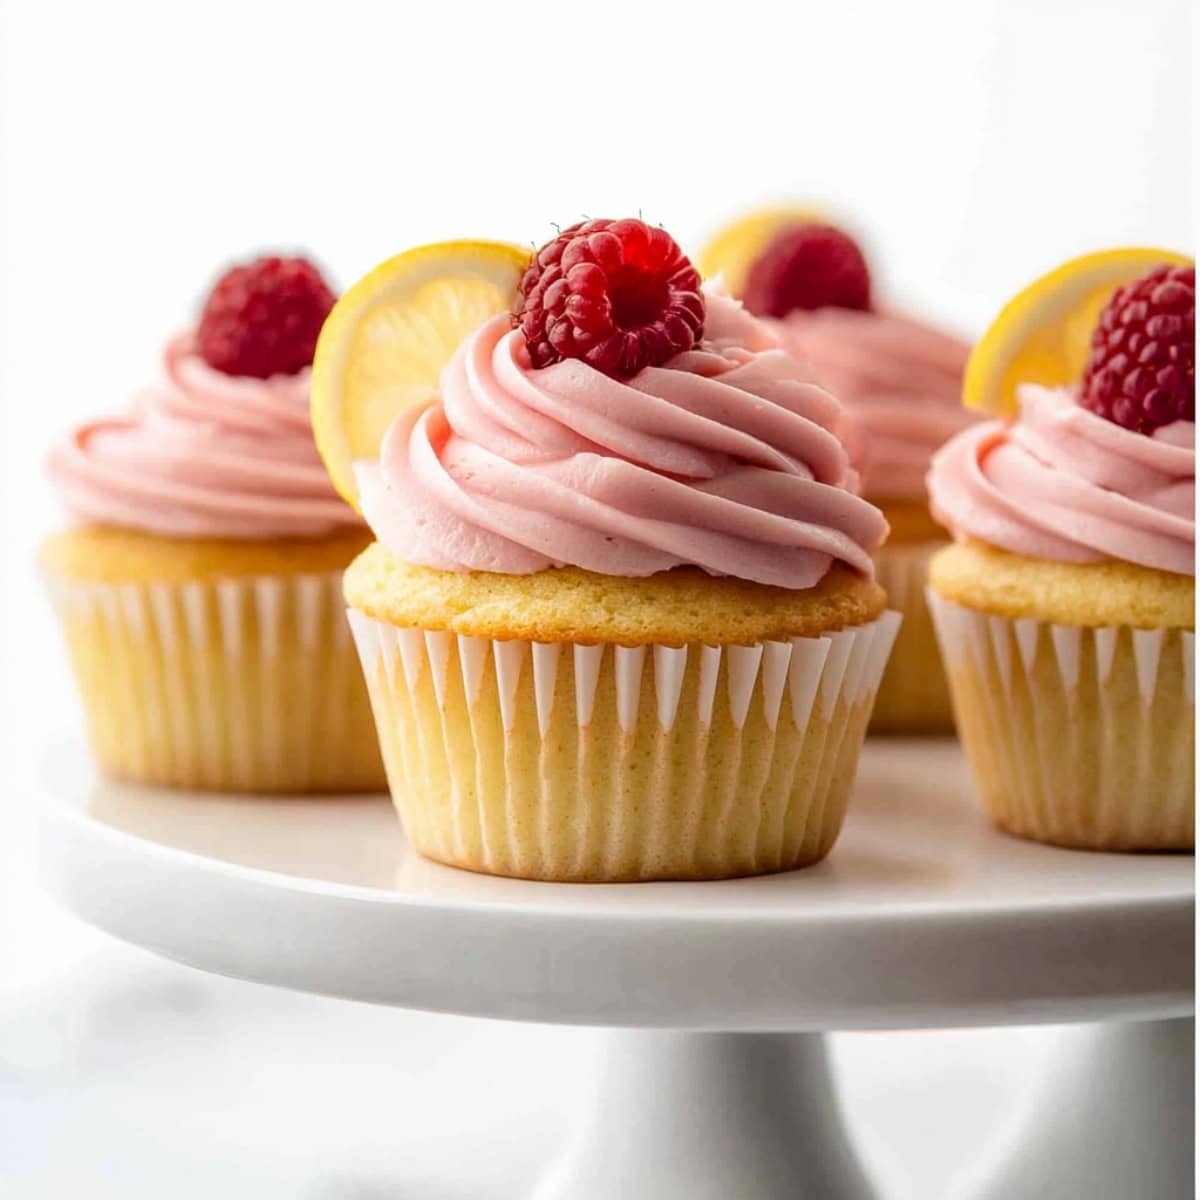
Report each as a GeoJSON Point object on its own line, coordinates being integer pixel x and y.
{"type": "Point", "coordinates": [1076, 736]}
{"type": "Point", "coordinates": [914, 697]}
{"type": "Point", "coordinates": [235, 685]}
{"type": "Point", "coordinates": [607, 763]}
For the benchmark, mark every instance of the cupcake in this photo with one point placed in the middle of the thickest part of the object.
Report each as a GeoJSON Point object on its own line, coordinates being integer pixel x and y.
{"type": "Point", "coordinates": [900, 380]}
{"type": "Point", "coordinates": [1065, 606]}
{"type": "Point", "coordinates": [620, 622]}
{"type": "Point", "coordinates": [199, 583]}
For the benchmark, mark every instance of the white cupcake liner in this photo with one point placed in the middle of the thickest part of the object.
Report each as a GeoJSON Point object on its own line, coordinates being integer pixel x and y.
{"type": "Point", "coordinates": [913, 695]}
{"type": "Point", "coordinates": [240, 683]}
{"type": "Point", "coordinates": [522, 758]}
{"type": "Point", "coordinates": [967, 633]}
{"type": "Point", "coordinates": [841, 666]}
{"type": "Point", "coordinates": [1077, 735]}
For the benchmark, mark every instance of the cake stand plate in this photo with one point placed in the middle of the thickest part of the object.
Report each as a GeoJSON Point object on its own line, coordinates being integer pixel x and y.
{"type": "Point", "coordinates": [922, 917]}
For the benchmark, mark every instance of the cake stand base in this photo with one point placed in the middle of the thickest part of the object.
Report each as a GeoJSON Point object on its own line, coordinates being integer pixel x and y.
{"type": "Point", "coordinates": [710, 1116]}
{"type": "Point", "coordinates": [1113, 1118]}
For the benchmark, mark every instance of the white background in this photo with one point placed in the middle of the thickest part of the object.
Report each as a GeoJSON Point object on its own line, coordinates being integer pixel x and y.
{"type": "Point", "coordinates": [144, 144]}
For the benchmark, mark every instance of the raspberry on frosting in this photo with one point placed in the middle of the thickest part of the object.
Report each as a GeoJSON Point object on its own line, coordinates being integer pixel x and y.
{"type": "Point", "coordinates": [1141, 372]}
{"type": "Point", "coordinates": [620, 295]}
{"type": "Point", "coordinates": [262, 318]}
{"type": "Point", "coordinates": [807, 267]}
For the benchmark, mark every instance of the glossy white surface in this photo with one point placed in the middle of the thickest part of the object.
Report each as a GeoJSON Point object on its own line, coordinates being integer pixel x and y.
{"type": "Point", "coordinates": [922, 917]}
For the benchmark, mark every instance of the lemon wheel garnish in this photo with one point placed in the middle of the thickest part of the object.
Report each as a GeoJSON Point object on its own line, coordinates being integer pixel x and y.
{"type": "Point", "coordinates": [731, 252]}
{"type": "Point", "coordinates": [383, 347]}
{"type": "Point", "coordinates": [1043, 334]}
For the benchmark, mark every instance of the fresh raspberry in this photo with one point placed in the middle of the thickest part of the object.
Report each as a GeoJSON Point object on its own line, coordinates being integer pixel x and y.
{"type": "Point", "coordinates": [806, 267]}
{"type": "Point", "coordinates": [262, 318]}
{"type": "Point", "coordinates": [619, 295]}
{"type": "Point", "coordinates": [1141, 372]}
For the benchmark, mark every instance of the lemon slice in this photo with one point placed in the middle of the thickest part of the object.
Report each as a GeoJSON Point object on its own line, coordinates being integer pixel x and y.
{"type": "Point", "coordinates": [383, 347]}
{"type": "Point", "coordinates": [731, 252]}
{"type": "Point", "coordinates": [1043, 334]}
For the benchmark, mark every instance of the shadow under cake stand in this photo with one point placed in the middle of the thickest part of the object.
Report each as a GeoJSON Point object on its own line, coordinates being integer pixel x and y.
{"type": "Point", "coordinates": [715, 1082]}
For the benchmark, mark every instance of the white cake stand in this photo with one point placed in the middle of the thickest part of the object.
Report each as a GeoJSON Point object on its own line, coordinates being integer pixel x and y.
{"type": "Point", "coordinates": [923, 917]}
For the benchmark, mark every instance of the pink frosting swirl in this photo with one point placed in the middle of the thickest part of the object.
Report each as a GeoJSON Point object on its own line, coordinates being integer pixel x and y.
{"type": "Point", "coordinates": [724, 458]}
{"type": "Point", "coordinates": [1062, 483]}
{"type": "Point", "coordinates": [901, 381]}
{"type": "Point", "coordinates": [203, 454]}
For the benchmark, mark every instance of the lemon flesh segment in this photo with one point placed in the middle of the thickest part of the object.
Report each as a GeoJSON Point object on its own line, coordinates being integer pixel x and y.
{"type": "Point", "coordinates": [398, 351]}
{"type": "Point", "coordinates": [732, 251]}
{"type": "Point", "coordinates": [384, 346]}
{"type": "Point", "coordinates": [1043, 335]}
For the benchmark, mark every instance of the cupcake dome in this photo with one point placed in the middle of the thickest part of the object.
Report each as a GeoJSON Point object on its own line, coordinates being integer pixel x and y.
{"type": "Point", "coordinates": [708, 500]}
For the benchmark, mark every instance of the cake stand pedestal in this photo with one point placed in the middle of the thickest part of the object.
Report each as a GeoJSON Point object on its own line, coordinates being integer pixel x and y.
{"type": "Point", "coordinates": [712, 1116]}
{"type": "Point", "coordinates": [716, 1084]}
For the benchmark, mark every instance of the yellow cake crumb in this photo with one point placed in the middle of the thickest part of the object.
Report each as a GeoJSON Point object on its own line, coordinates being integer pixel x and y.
{"type": "Point", "coordinates": [567, 604]}
{"type": "Point", "coordinates": [1090, 594]}
{"type": "Point", "coordinates": [108, 554]}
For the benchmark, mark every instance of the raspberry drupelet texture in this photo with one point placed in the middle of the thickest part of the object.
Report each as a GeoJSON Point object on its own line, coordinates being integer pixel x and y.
{"type": "Point", "coordinates": [620, 295]}
{"type": "Point", "coordinates": [262, 318]}
{"type": "Point", "coordinates": [1141, 372]}
{"type": "Point", "coordinates": [807, 267]}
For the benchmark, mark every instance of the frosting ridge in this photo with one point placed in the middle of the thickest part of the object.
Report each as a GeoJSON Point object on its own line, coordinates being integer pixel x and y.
{"type": "Point", "coordinates": [900, 380]}
{"type": "Point", "coordinates": [724, 458]}
{"type": "Point", "coordinates": [1062, 483]}
{"type": "Point", "coordinates": [203, 454]}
